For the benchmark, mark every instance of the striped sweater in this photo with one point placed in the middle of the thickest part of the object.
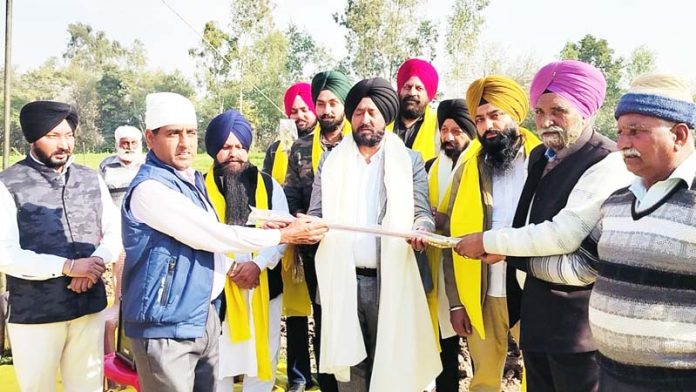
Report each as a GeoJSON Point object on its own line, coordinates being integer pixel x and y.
{"type": "Point", "coordinates": [643, 306]}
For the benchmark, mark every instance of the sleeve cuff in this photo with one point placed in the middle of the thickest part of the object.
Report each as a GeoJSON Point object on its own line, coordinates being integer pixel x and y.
{"type": "Point", "coordinates": [56, 267]}
{"type": "Point", "coordinates": [261, 262]}
{"type": "Point", "coordinates": [105, 254]}
{"type": "Point", "coordinates": [490, 242]}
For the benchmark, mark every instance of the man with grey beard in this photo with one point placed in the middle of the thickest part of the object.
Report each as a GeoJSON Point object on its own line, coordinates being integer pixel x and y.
{"type": "Point", "coordinates": [568, 178]}
{"type": "Point", "coordinates": [254, 281]}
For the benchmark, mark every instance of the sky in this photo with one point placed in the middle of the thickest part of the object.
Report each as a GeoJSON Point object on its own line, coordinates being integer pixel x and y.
{"type": "Point", "coordinates": [540, 27]}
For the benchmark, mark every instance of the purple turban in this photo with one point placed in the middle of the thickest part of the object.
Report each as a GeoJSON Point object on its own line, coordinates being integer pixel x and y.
{"type": "Point", "coordinates": [579, 83]}
{"type": "Point", "coordinates": [220, 128]}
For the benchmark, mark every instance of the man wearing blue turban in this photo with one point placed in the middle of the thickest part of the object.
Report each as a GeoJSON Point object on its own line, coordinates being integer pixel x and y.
{"type": "Point", "coordinates": [250, 339]}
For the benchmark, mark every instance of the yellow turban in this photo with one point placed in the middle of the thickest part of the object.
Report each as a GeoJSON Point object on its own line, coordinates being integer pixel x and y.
{"type": "Point", "coordinates": [499, 91]}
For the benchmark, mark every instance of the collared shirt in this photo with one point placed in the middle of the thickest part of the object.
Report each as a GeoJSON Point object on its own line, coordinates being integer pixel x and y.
{"type": "Point", "coordinates": [118, 176]}
{"type": "Point", "coordinates": [172, 213]}
{"type": "Point", "coordinates": [647, 198]}
{"type": "Point", "coordinates": [29, 265]}
{"type": "Point", "coordinates": [556, 157]}
{"type": "Point", "coordinates": [408, 134]}
{"type": "Point", "coordinates": [507, 188]}
{"type": "Point", "coordinates": [369, 180]}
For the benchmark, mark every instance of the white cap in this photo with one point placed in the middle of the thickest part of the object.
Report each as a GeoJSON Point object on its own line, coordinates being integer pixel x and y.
{"type": "Point", "coordinates": [127, 131]}
{"type": "Point", "coordinates": [168, 108]}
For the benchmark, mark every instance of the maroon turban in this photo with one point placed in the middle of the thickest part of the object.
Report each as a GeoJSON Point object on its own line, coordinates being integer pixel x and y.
{"type": "Point", "coordinates": [304, 90]}
{"type": "Point", "coordinates": [425, 72]}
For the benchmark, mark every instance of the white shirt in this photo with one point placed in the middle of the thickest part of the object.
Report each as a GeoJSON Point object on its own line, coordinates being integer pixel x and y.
{"type": "Point", "coordinates": [270, 256]}
{"type": "Point", "coordinates": [369, 180]}
{"type": "Point", "coordinates": [646, 198]}
{"type": "Point", "coordinates": [29, 265]}
{"type": "Point", "coordinates": [507, 188]}
{"type": "Point", "coordinates": [172, 213]}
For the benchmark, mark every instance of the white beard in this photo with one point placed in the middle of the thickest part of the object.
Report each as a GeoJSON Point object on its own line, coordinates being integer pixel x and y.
{"type": "Point", "coordinates": [127, 155]}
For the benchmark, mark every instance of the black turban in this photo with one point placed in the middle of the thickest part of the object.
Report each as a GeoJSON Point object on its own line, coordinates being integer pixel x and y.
{"type": "Point", "coordinates": [382, 94]}
{"type": "Point", "coordinates": [40, 117]}
{"type": "Point", "coordinates": [455, 109]}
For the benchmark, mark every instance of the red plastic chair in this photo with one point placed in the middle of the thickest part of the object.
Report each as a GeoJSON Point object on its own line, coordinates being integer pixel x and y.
{"type": "Point", "coordinates": [118, 372]}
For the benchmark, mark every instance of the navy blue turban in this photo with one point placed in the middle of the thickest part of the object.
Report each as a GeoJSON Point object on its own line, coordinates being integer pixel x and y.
{"type": "Point", "coordinates": [40, 117]}
{"type": "Point", "coordinates": [220, 128]}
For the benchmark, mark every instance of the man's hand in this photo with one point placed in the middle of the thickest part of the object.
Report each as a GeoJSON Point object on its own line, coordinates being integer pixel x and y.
{"type": "Point", "coordinates": [471, 246]}
{"type": "Point", "coordinates": [440, 219]}
{"type": "Point", "coordinates": [89, 267]}
{"type": "Point", "coordinates": [460, 322]}
{"type": "Point", "coordinates": [274, 225]}
{"type": "Point", "coordinates": [304, 230]}
{"type": "Point", "coordinates": [80, 285]}
{"type": "Point", "coordinates": [490, 258]}
{"type": "Point", "coordinates": [417, 243]}
{"type": "Point", "coordinates": [245, 275]}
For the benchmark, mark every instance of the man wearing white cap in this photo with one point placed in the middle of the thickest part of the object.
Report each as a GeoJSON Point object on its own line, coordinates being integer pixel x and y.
{"type": "Point", "coordinates": [118, 171]}
{"type": "Point", "coordinates": [175, 255]}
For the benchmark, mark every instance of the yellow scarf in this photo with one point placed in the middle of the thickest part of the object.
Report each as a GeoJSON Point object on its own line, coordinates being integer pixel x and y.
{"type": "Point", "coordinates": [280, 164]}
{"type": "Point", "coordinates": [467, 217]}
{"type": "Point", "coordinates": [296, 300]}
{"type": "Point", "coordinates": [425, 139]}
{"type": "Point", "coordinates": [237, 315]}
{"type": "Point", "coordinates": [317, 149]}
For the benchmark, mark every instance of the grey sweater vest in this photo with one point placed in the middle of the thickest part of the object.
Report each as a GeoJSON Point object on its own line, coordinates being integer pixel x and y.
{"type": "Point", "coordinates": [58, 215]}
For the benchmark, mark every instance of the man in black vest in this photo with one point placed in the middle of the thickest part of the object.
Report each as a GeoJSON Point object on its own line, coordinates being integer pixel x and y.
{"type": "Point", "coordinates": [59, 231]}
{"type": "Point", "coordinates": [233, 186]}
{"type": "Point", "coordinates": [567, 180]}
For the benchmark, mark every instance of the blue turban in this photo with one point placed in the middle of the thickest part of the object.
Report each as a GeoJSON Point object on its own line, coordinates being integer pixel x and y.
{"type": "Point", "coordinates": [220, 128]}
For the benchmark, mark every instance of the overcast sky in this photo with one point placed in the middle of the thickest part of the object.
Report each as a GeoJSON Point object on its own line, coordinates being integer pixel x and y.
{"type": "Point", "coordinates": [538, 26]}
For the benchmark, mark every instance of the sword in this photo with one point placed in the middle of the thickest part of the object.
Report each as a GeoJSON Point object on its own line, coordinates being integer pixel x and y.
{"type": "Point", "coordinates": [440, 241]}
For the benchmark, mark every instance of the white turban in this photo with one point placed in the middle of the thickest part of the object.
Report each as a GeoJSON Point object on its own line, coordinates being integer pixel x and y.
{"type": "Point", "coordinates": [127, 131]}
{"type": "Point", "coordinates": [167, 109]}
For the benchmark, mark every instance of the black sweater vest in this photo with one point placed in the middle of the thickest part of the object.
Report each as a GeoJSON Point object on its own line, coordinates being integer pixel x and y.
{"type": "Point", "coordinates": [555, 316]}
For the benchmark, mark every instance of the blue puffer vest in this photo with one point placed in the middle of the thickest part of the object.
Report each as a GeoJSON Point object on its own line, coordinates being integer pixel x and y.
{"type": "Point", "coordinates": [166, 284]}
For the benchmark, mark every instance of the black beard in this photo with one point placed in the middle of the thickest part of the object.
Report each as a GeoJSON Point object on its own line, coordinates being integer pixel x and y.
{"type": "Point", "coordinates": [233, 190]}
{"type": "Point", "coordinates": [48, 159]}
{"type": "Point", "coordinates": [330, 125]}
{"type": "Point", "coordinates": [369, 140]}
{"type": "Point", "coordinates": [306, 131]}
{"type": "Point", "coordinates": [501, 150]}
{"type": "Point", "coordinates": [411, 113]}
{"type": "Point", "coordinates": [451, 153]}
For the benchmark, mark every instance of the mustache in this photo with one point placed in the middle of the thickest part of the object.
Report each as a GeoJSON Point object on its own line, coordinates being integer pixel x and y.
{"type": "Point", "coordinates": [553, 128]}
{"type": "Point", "coordinates": [327, 117]}
{"type": "Point", "coordinates": [630, 153]}
{"type": "Point", "coordinates": [412, 98]}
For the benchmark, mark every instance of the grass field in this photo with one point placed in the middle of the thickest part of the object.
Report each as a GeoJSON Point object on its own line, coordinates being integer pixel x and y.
{"type": "Point", "coordinates": [201, 163]}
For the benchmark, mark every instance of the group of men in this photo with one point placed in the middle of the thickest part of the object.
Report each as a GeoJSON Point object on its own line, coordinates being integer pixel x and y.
{"type": "Point", "coordinates": [580, 247]}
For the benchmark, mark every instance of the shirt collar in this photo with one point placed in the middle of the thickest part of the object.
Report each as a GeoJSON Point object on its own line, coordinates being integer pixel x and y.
{"type": "Point", "coordinates": [686, 171]}
{"type": "Point", "coordinates": [71, 159]}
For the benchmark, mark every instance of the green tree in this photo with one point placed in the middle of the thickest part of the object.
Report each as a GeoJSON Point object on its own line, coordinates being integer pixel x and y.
{"type": "Point", "coordinates": [305, 57]}
{"type": "Point", "coordinates": [463, 29]}
{"type": "Point", "coordinates": [598, 53]}
{"type": "Point", "coordinates": [244, 66]}
{"type": "Point", "coordinates": [381, 35]}
{"type": "Point", "coordinates": [642, 60]}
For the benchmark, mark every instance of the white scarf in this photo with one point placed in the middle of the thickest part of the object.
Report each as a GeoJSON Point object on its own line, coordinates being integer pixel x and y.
{"type": "Point", "coordinates": [444, 177]}
{"type": "Point", "coordinates": [406, 357]}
